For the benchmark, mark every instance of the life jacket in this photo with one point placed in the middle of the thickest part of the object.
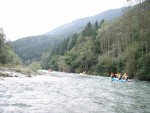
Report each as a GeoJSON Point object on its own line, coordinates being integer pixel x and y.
{"type": "Point", "coordinates": [125, 76]}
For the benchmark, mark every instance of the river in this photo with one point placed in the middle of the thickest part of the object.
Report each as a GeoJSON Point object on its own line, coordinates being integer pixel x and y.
{"type": "Point", "coordinates": [59, 92]}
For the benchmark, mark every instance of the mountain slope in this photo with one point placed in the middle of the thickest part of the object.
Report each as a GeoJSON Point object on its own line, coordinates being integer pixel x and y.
{"type": "Point", "coordinates": [78, 25]}
{"type": "Point", "coordinates": [121, 46]}
{"type": "Point", "coordinates": [31, 48]}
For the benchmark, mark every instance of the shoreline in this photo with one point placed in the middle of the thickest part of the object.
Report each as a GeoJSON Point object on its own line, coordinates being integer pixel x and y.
{"type": "Point", "coordinates": [14, 72]}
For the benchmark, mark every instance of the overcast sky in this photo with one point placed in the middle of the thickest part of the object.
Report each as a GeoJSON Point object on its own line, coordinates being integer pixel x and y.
{"type": "Point", "coordinates": [21, 18]}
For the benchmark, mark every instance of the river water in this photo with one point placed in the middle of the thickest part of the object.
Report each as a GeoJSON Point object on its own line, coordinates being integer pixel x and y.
{"type": "Point", "coordinates": [71, 93]}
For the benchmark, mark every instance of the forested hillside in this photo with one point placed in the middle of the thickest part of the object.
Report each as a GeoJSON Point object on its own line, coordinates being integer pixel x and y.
{"type": "Point", "coordinates": [104, 47]}
{"type": "Point", "coordinates": [31, 48]}
{"type": "Point", "coordinates": [7, 55]}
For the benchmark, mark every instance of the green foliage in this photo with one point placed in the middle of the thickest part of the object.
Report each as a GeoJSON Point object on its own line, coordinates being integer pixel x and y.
{"type": "Point", "coordinates": [53, 62]}
{"type": "Point", "coordinates": [34, 66]}
{"type": "Point", "coordinates": [70, 58]}
{"type": "Point", "coordinates": [72, 42]}
{"type": "Point", "coordinates": [122, 45]}
{"type": "Point", "coordinates": [62, 47]}
{"type": "Point", "coordinates": [131, 59]}
{"type": "Point", "coordinates": [96, 25]}
{"type": "Point", "coordinates": [7, 56]}
{"type": "Point", "coordinates": [23, 70]}
{"type": "Point", "coordinates": [62, 64]}
{"type": "Point", "coordinates": [45, 59]}
{"type": "Point", "coordinates": [31, 48]}
{"type": "Point", "coordinates": [144, 67]}
{"type": "Point", "coordinates": [88, 31]}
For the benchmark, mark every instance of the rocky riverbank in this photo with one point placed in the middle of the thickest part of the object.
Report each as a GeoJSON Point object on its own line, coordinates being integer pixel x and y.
{"type": "Point", "coordinates": [15, 72]}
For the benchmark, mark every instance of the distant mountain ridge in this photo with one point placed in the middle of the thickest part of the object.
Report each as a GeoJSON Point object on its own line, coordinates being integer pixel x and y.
{"type": "Point", "coordinates": [32, 47]}
{"type": "Point", "coordinates": [77, 25]}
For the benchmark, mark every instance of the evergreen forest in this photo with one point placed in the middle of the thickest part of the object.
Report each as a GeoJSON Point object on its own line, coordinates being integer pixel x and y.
{"type": "Point", "coordinates": [7, 55]}
{"type": "Point", "coordinates": [122, 45]}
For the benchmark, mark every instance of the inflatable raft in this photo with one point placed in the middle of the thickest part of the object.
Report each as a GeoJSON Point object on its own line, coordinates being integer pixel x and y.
{"type": "Point", "coordinates": [116, 79]}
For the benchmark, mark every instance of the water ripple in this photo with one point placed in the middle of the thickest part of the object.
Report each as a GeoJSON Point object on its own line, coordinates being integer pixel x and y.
{"type": "Point", "coordinates": [72, 93]}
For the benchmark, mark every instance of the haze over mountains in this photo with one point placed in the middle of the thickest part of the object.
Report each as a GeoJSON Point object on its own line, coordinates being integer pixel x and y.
{"type": "Point", "coordinates": [77, 25]}
{"type": "Point", "coordinates": [39, 44]}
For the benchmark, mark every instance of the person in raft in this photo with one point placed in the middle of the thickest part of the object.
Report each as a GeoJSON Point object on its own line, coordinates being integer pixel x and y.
{"type": "Point", "coordinates": [125, 76]}
{"type": "Point", "coordinates": [84, 72]}
{"type": "Point", "coordinates": [113, 75]}
{"type": "Point", "coordinates": [119, 76]}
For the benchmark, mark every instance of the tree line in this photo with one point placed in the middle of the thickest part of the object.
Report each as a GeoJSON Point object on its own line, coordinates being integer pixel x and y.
{"type": "Point", "coordinates": [30, 49]}
{"type": "Point", "coordinates": [7, 55]}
